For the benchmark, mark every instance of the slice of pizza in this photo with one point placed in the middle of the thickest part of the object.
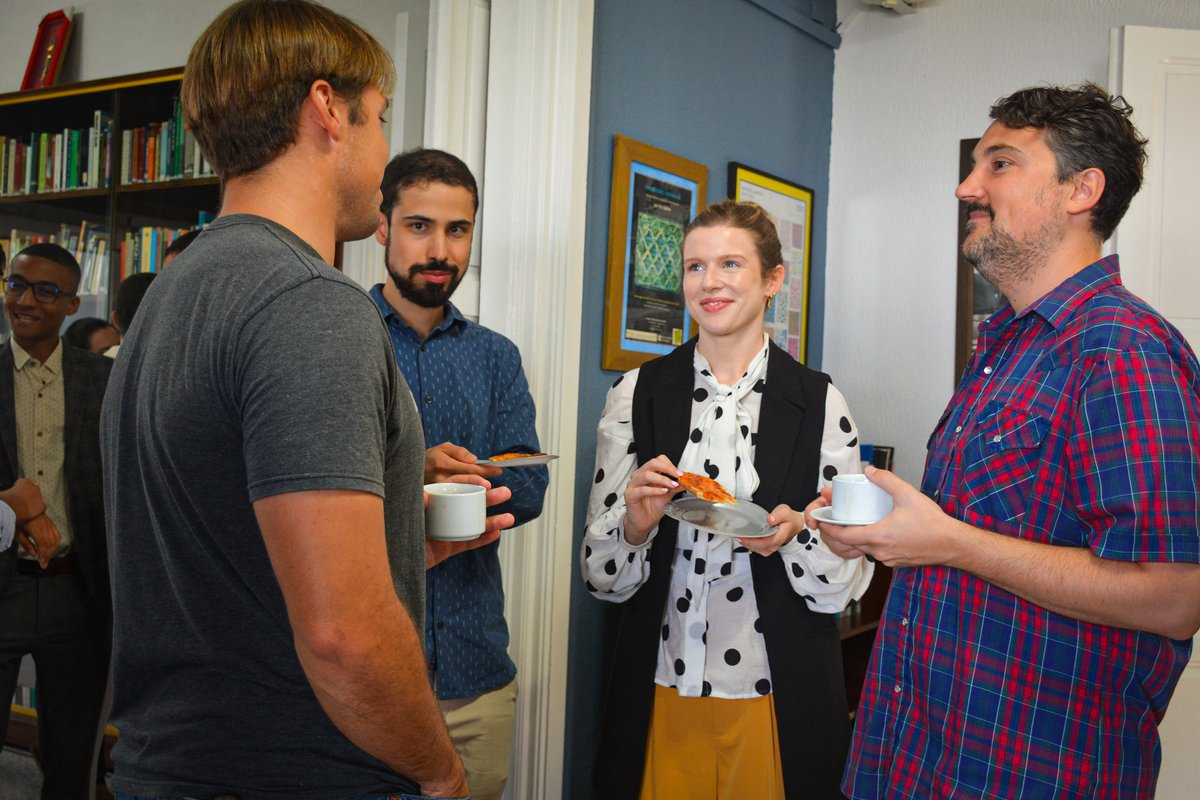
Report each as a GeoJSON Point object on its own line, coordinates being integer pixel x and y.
{"type": "Point", "coordinates": [705, 488]}
{"type": "Point", "coordinates": [511, 456]}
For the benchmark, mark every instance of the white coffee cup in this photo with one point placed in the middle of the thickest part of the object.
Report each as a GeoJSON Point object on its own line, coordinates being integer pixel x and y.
{"type": "Point", "coordinates": [455, 512]}
{"type": "Point", "coordinates": [856, 499]}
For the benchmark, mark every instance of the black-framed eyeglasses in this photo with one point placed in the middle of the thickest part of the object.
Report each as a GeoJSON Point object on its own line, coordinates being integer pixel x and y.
{"type": "Point", "coordinates": [44, 292]}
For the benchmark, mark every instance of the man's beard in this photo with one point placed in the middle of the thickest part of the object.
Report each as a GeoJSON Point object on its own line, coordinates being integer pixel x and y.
{"type": "Point", "coordinates": [431, 295]}
{"type": "Point", "coordinates": [1003, 259]}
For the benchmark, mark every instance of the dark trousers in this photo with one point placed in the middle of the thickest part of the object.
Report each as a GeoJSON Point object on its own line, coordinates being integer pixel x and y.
{"type": "Point", "coordinates": [49, 618]}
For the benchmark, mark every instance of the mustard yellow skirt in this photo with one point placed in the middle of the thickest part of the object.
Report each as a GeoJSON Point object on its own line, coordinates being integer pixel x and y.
{"type": "Point", "coordinates": [708, 748]}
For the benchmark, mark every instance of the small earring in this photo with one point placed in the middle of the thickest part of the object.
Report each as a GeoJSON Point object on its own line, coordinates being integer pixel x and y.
{"type": "Point", "coordinates": [770, 297]}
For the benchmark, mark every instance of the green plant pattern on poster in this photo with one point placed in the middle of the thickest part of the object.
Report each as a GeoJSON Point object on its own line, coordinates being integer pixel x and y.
{"type": "Point", "coordinates": [658, 255]}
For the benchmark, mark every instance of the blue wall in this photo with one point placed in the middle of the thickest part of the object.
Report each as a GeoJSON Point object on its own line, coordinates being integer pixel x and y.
{"type": "Point", "coordinates": [713, 81]}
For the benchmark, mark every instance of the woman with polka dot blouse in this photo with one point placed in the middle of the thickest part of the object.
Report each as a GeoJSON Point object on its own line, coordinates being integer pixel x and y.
{"type": "Point", "coordinates": [727, 677]}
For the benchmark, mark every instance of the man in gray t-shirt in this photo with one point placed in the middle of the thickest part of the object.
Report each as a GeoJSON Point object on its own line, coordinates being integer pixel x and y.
{"type": "Point", "coordinates": [263, 457]}
{"type": "Point", "coordinates": [234, 386]}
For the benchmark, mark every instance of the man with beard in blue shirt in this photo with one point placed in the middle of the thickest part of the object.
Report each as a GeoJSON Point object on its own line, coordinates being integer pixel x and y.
{"type": "Point", "coordinates": [474, 399]}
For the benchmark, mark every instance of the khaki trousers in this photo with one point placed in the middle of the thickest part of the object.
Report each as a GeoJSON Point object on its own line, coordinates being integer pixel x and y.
{"type": "Point", "coordinates": [481, 728]}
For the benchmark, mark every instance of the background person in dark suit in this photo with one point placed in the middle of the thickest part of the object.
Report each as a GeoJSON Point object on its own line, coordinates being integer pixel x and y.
{"type": "Point", "coordinates": [57, 606]}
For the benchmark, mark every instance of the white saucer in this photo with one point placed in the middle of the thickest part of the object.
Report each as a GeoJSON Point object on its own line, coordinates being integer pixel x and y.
{"type": "Point", "coordinates": [825, 514]}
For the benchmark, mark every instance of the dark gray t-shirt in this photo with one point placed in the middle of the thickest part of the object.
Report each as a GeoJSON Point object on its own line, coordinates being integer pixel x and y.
{"type": "Point", "coordinates": [251, 369]}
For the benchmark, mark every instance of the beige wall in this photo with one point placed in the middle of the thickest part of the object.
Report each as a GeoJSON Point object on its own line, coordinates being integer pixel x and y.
{"type": "Point", "coordinates": [906, 90]}
{"type": "Point", "coordinates": [120, 37]}
{"type": "Point", "coordinates": [117, 37]}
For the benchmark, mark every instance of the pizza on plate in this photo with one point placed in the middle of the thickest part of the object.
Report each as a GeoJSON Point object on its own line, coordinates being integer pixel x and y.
{"type": "Point", "coordinates": [705, 488]}
{"type": "Point", "coordinates": [511, 456]}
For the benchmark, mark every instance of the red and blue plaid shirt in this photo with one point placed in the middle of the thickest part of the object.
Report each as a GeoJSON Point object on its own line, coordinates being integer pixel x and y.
{"type": "Point", "coordinates": [1077, 423]}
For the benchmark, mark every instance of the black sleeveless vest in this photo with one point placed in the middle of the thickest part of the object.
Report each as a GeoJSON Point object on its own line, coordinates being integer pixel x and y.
{"type": "Point", "coordinates": [803, 648]}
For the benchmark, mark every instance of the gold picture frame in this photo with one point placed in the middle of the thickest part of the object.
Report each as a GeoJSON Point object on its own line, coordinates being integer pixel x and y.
{"type": "Point", "coordinates": [791, 206]}
{"type": "Point", "coordinates": [654, 195]}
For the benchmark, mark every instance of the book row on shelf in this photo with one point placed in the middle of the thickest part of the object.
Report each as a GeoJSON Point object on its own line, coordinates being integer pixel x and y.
{"type": "Point", "coordinates": [25, 696]}
{"type": "Point", "coordinates": [55, 161]}
{"type": "Point", "coordinates": [139, 250]}
{"type": "Point", "coordinates": [851, 614]}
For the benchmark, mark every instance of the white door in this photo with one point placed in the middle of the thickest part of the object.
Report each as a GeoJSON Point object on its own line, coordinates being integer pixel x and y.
{"type": "Point", "coordinates": [1158, 72]}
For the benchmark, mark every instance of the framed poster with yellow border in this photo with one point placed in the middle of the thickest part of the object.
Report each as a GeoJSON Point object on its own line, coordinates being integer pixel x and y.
{"type": "Point", "coordinates": [790, 205]}
{"type": "Point", "coordinates": [654, 196]}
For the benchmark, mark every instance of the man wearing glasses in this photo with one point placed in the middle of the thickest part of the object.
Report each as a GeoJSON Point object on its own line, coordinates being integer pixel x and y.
{"type": "Point", "coordinates": [54, 602]}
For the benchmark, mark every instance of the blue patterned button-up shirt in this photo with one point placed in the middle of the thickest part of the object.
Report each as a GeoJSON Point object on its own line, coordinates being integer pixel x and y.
{"type": "Point", "coordinates": [470, 389]}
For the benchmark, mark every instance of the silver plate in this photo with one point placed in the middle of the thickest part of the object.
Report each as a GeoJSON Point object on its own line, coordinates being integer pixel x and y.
{"type": "Point", "coordinates": [524, 461]}
{"type": "Point", "coordinates": [742, 519]}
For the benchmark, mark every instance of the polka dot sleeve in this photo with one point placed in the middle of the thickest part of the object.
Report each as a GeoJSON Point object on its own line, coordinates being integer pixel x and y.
{"type": "Point", "coordinates": [612, 568]}
{"type": "Point", "coordinates": [828, 582]}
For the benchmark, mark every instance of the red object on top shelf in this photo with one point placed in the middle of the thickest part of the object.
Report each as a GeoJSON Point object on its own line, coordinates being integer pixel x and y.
{"type": "Point", "coordinates": [48, 47]}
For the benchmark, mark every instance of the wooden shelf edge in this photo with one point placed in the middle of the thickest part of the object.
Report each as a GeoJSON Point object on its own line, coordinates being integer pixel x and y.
{"type": "Point", "coordinates": [24, 711]}
{"type": "Point", "coordinates": [65, 194]}
{"type": "Point", "coordinates": [126, 188]}
{"type": "Point", "coordinates": [849, 629]}
{"type": "Point", "coordinates": [91, 87]}
{"type": "Point", "coordinates": [174, 183]}
{"type": "Point", "coordinates": [31, 715]}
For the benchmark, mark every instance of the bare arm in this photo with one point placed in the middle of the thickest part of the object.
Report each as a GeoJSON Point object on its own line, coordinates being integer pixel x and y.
{"type": "Point", "coordinates": [355, 640]}
{"type": "Point", "coordinates": [36, 532]}
{"type": "Point", "coordinates": [1161, 598]}
{"type": "Point", "coordinates": [25, 499]}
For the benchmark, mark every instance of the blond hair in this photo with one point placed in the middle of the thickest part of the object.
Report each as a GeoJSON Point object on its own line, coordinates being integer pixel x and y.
{"type": "Point", "coordinates": [250, 70]}
{"type": "Point", "coordinates": [751, 218]}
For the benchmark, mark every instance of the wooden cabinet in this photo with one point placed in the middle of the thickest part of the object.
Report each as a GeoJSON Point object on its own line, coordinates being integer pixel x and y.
{"type": "Point", "coordinates": [858, 633]}
{"type": "Point", "coordinates": [107, 159]}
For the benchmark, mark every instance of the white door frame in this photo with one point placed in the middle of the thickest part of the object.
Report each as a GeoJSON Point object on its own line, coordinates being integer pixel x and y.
{"type": "Point", "coordinates": [1145, 65]}
{"type": "Point", "coordinates": [531, 238]}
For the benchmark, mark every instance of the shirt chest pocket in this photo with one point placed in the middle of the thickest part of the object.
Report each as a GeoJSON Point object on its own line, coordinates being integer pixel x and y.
{"type": "Point", "coordinates": [1020, 430]}
{"type": "Point", "coordinates": [1002, 460]}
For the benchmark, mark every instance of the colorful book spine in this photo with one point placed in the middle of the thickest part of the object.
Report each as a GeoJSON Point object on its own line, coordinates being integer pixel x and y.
{"type": "Point", "coordinates": [56, 161]}
{"type": "Point", "coordinates": [42, 150]}
{"type": "Point", "coordinates": [180, 139]}
{"type": "Point", "coordinates": [74, 166]}
{"type": "Point", "coordinates": [146, 251]}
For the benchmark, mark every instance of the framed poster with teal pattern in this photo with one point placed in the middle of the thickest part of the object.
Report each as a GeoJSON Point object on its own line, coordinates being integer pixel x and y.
{"type": "Point", "coordinates": [654, 196]}
{"type": "Point", "coordinates": [790, 205]}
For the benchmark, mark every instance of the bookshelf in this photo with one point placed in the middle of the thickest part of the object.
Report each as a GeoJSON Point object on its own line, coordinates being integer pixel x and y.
{"type": "Point", "coordinates": [94, 166]}
{"type": "Point", "coordinates": [106, 169]}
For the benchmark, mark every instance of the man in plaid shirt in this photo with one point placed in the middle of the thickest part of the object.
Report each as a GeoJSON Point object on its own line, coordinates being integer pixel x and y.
{"type": "Point", "coordinates": [1047, 586]}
